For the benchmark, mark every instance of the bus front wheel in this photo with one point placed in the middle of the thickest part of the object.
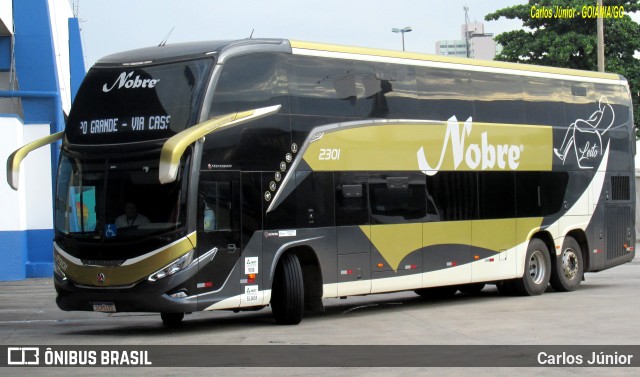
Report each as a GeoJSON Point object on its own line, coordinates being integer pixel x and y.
{"type": "Point", "coordinates": [567, 271]}
{"type": "Point", "coordinates": [537, 270]}
{"type": "Point", "coordinates": [287, 301]}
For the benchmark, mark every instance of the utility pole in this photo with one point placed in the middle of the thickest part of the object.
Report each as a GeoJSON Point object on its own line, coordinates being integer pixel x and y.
{"type": "Point", "coordinates": [600, 28]}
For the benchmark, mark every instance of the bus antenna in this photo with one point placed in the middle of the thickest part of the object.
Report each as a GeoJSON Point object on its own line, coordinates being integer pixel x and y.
{"type": "Point", "coordinates": [251, 35]}
{"type": "Point", "coordinates": [164, 41]}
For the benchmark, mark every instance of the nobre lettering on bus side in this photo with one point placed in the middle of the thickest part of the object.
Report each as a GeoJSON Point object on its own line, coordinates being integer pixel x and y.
{"type": "Point", "coordinates": [125, 81]}
{"type": "Point", "coordinates": [485, 155]}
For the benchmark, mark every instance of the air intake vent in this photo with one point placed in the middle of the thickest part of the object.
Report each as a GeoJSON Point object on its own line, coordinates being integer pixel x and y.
{"type": "Point", "coordinates": [620, 189]}
{"type": "Point", "coordinates": [618, 223]}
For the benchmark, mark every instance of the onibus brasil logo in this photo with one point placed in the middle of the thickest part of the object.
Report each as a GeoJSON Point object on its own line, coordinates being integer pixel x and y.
{"type": "Point", "coordinates": [484, 155]}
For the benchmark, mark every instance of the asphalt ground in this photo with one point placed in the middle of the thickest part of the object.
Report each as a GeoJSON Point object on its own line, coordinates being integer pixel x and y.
{"type": "Point", "coordinates": [603, 311]}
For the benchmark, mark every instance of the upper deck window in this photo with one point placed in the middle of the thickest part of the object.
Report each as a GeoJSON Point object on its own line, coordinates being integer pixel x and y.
{"type": "Point", "coordinates": [137, 103]}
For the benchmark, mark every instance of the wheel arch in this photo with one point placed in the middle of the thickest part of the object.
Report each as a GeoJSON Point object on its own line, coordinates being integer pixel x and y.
{"type": "Point", "coordinates": [581, 238]}
{"type": "Point", "coordinates": [311, 274]}
{"type": "Point", "coordinates": [545, 237]}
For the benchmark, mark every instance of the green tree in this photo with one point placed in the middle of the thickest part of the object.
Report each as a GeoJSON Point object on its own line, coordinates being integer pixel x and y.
{"type": "Point", "coordinates": [571, 42]}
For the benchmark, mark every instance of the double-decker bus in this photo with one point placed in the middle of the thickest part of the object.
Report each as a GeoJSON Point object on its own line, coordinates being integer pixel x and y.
{"type": "Point", "coordinates": [262, 172]}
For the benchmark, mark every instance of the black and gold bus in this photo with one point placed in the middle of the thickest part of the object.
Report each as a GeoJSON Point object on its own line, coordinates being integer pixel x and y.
{"type": "Point", "coordinates": [261, 172]}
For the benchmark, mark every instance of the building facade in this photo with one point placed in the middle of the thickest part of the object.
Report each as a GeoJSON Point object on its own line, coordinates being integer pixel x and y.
{"type": "Point", "coordinates": [41, 67]}
{"type": "Point", "coordinates": [481, 44]}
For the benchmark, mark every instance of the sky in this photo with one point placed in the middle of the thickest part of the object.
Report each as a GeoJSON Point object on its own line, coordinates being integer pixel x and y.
{"type": "Point", "coordinates": [109, 26]}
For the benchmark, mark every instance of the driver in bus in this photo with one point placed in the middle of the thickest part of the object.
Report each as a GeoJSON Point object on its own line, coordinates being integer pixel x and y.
{"type": "Point", "coordinates": [131, 217]}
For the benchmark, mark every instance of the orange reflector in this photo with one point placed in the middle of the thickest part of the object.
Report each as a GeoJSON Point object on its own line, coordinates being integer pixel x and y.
{"type": "Point", "coordinates": [557, 247]}
{"type": "Point", "coordinates": [476, 257]}
{"type": "Point", "coordinates": [380, 265]}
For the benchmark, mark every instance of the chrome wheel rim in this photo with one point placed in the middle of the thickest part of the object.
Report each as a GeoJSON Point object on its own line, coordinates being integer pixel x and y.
{"type": "Point", "coordinates": [570, 264]}
{"type": "Point", "coordinates": [537, 267]}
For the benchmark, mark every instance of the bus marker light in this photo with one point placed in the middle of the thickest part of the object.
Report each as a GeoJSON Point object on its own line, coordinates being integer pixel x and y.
{"type": "Point", "coordinates": [452, 264]}
{"type": "Point", "coordinates": [251, 278]}
{"type": "Point", "coordinates": [476, 257]}
{"type": "Point", "coordinates": [490, 260]}
{"type": "Point", "coordinates": [205, 285]}
{"type": "Point", "coordinates": [380, 265]}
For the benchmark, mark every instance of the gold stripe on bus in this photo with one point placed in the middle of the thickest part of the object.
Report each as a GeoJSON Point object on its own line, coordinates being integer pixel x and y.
{"type": "Point", "coordinates": [447, 146]}
{"type": "Point", "coordinates": [364, 51]}
{"type": "Point", "coordinates": [125, 275]}
{"type": "Point", "coordinates": [396, 241]}
{"type": "Point", "coordinates": [173, 148]}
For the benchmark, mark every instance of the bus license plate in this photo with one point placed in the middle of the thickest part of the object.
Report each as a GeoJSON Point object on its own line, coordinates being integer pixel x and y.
{"type": "Point", "coordinates": [105, 307]}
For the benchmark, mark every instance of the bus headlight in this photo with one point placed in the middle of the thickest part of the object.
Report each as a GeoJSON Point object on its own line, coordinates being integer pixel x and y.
{"type": "Point", "coordinates": [175, 266]}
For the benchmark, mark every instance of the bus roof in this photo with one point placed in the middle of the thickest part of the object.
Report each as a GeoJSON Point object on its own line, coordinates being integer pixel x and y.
{"type": "Point", "coordinates": [192, 50]}
{"type": "Point", "coordinates": [181, 51]}
{"type": "Point", "coordinates": [329, 50]}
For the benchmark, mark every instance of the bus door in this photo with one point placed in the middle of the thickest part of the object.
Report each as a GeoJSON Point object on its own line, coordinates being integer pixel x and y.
{"type": "Point", "coordinates": [218, 226]}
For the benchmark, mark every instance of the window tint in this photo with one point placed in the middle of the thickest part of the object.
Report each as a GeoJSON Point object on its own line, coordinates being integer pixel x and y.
{"type": "Point", "coordinates": [498, 98]}
{"type": "Point", "coordinates": [397, 198]}
{"type": "Point", "coordinates": [540, 193]}
{"type": "Point", "coordinates": [322, 86]}
{"type": "Point", "coordinates": [497, 191]}
{"type": "Point", "coordinates": [544, 104]}
{"type": "Point", "coordinates": [389, 91]}
{"type": "Point", "coordinates": [351, 199]}
{"type": "Point", "coordinates": [444, 93]}
{"type": "Point", "coordinates": [581, 101]}
{"type": "Point", "coordinates": [454, 194]}
{"type": "Point", "coordinates": [248, 82]}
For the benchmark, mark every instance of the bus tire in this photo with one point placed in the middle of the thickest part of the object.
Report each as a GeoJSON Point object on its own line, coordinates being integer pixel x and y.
{"type": "Point", "coordinates": [568, 269]}
{"type": "Point", "coordinates": [537, 270]}
{"type": "Point", "coordinates": [172, 319]}
{"type": "Point", "coordinates": [471, 289]}
{"type": "Point", "coordinates": [437, 293]}
{"type": "Point", "coordinates": [287, 301]}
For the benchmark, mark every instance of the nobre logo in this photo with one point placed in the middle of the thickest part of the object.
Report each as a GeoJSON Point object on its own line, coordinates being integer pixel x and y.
{"type": "Point", "coordinates": [484, 155]}
{"type": "Point", "coordinates": [125, 81]}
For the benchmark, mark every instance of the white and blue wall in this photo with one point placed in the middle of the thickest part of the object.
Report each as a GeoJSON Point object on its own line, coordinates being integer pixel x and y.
{"type": "Point", "coordinates": [41, 67]}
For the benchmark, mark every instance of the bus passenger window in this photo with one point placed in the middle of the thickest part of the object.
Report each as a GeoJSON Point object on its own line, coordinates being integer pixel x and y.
{"type": "Point", "coordinates": [351, 199]}
{"type": "Point", "coordinates": [455, 195]}
{"type": "Point", "coordinates": [398, 199]}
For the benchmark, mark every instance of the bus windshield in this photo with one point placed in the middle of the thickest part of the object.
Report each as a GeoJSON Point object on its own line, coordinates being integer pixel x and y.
{"type": "Point", "coordinates": [140, 103]}
{"type": "Point", "coordinates": [116, 201]}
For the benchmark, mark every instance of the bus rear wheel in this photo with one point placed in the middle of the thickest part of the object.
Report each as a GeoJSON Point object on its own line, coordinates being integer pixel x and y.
{"type": "Point", "coordinates": [172, 319]}
{"type": "Point", "coordinates": [537, 270]}
{"type": "Point", "coordinates": [568, 269]}
{"type": "Point", "coordinates": [287, 301]}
